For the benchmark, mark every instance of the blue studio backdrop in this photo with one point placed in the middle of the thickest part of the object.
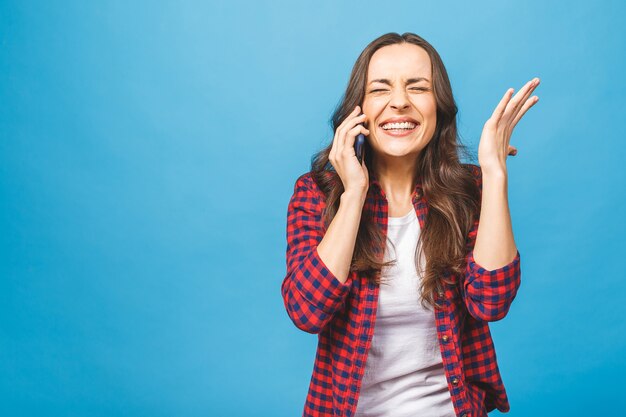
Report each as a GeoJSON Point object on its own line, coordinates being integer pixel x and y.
{"type": "Point", "coordinates": [148, 151]}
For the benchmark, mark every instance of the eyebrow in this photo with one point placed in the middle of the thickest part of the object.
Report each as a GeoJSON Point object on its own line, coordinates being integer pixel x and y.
{"type": "Point", "coordinates": [409, 81]}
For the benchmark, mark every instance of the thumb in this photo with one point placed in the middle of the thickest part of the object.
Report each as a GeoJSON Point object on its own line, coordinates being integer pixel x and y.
{"type": "Point", "coordinates": [364, 165]}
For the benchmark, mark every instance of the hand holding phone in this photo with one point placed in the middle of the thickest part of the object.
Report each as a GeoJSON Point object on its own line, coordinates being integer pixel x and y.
{"type": "Point", "coordinates": [351, 133]}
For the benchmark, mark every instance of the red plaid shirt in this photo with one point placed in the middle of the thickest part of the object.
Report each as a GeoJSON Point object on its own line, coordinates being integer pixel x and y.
{"type": "Point", "coordinates": [343, 314]}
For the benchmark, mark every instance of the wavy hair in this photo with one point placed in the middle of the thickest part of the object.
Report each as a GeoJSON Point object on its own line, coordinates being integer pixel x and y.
{"type": "Point", "coordinates": [449, 187]}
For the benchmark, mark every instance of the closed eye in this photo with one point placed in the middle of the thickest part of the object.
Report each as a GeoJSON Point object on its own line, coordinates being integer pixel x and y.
{"type": "Point", "coordinates": [414, 88]}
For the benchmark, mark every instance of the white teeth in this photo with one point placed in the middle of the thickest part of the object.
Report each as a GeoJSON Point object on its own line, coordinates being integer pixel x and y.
{"type": "Point", "coordinates": [403, 125]}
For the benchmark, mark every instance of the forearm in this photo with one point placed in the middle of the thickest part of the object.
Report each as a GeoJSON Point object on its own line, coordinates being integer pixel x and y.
{"type": "Point", "coordinates": [495, 245]}
{"type": "Point", "coordinates": [337, 246]}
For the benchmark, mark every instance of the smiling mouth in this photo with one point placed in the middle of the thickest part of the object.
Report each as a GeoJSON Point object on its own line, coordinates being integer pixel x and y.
{"type": "Point", "coordinates": [399, 125]}
{"type": "Point", "coordinates": [399, 129]}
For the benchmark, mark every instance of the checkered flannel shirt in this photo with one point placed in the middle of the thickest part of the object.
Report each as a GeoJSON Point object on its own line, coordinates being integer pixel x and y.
{"type": "Point", "coordinates": [343, 314]}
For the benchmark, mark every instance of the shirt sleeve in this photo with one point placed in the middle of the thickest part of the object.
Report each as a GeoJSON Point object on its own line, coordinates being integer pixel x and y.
{"type": "Point", "coordinates": [310, 291]}
{"type": "Point", "coordinates": [488, 294]}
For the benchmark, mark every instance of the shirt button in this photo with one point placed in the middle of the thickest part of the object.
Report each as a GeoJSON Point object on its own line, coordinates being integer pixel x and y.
{"type": "Point", "coordinates": [455, 381]}
{"type": "Point", "coordinates": [445, 337]}
{"type": "Point", "coordinates": [441, 293]}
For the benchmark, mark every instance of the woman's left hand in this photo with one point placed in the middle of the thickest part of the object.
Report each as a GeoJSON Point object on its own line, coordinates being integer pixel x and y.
{"type": "Point", "coordinates": [494, 141]}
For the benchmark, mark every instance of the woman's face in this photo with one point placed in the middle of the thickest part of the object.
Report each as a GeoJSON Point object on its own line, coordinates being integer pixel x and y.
{"type": "Point", "coordinates": [399, 87]}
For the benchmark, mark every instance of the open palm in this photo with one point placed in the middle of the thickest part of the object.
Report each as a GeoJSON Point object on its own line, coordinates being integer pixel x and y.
{"type": "Point", "coordinates": [494, 147]}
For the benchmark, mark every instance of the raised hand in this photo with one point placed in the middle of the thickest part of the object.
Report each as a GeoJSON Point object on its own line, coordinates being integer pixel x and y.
{"type": "Point", "coordinates": [494, 147]}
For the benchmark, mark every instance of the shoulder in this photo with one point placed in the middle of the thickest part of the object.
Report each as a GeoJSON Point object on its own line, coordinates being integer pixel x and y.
{"type": "Point", "coordinates": [306, 195]}
{"type": "Point", "coordinates": [306, 182]}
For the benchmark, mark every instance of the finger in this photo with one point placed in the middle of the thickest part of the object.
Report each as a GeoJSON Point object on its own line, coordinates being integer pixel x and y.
{"type": "Point", "coordinates": [530, 88]}
{"type": "Point", "coordinates": [339, 143]}
{"type": "Point", "coordinates": [352, 114]}
{"type": "Point", "coordinates": [349, 121]}
{"type": "Point", "coordinates": [363, 158]}
{"type": "Point", "coordinates": [512, 150]}
{"type": "Point", "coordinates": [339, 133]}
{"type": "Point", "coordinates": [520, 98]}
{"type": "Point", "coordinates": [527, 105]}
{"type": "Point", "coordinates": [352, 133]}
{"type": "Point", "coordinates": [350, 124]}
{"type": "Point", "coordinates": [497, 113]}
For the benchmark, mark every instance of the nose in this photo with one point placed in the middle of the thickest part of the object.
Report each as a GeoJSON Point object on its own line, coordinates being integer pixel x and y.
{"type": "Point", "coordinates": [399, 100]}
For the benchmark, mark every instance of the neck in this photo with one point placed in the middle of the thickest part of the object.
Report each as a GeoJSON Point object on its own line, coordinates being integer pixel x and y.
{"type": "Point", "coordinates": [396, 176]}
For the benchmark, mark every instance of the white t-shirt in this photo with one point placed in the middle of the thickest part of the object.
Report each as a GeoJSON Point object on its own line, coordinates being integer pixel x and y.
{"type": "Point", "coordinates": [404, 374]}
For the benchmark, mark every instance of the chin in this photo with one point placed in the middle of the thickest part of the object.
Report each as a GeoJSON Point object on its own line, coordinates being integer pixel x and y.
{"type": "Point", "coordinates": [399, 149]}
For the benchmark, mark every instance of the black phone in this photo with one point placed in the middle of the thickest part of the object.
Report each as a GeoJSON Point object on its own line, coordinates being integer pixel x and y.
{"type": "Point", "coordinates": [359, 144]}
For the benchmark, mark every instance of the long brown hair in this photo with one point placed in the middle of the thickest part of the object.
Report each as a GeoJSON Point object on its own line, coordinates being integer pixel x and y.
{"type": "Point", "coordinates": [449, 188]}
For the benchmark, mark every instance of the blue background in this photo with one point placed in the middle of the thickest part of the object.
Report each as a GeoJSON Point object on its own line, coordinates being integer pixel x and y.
{"type": "Point", "coordinates": [148, 152]}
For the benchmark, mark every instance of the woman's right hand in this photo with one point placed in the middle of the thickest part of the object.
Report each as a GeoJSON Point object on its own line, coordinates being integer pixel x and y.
{"type": "Point", "coordinates": [354, 176]}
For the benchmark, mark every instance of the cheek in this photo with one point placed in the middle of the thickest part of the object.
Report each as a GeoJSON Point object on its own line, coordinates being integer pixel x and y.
{"type": "Point", "coordinates": [371, 110]}
{"type": "Point", "coordinates": [426, 104]}
{"type": "Point", "coordinates": [371, 106]}
{"type": "Point", "coordinates": [433, 104]}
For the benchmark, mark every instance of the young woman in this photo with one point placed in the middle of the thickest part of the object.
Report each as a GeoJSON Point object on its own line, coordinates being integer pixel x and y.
{"type": "Point", "coordinates": [398, 263]}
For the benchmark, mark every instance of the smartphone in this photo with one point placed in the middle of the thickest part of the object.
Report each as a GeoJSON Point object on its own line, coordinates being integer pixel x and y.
{"type": "Point", "coordinates": [359, 144]}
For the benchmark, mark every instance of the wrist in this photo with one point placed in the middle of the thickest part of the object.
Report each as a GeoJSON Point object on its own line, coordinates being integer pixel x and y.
{"type": "Point", "coordinates": [494, 172]}
{"type": "Point", "coordinates": [354, 195]}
